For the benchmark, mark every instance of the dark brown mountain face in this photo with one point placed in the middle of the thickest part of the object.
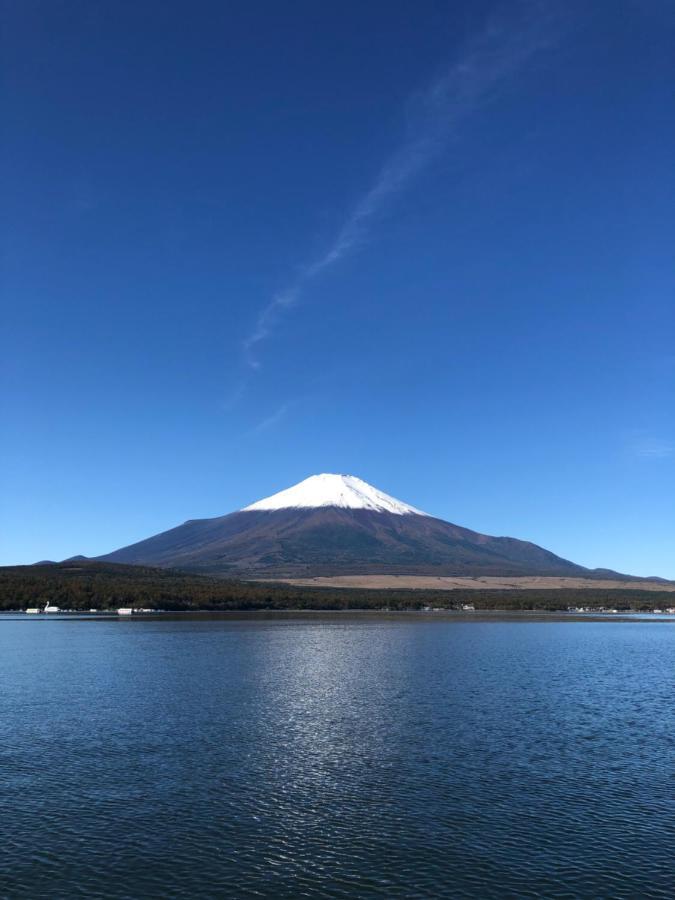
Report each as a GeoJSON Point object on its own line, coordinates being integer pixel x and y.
{"type": "Point", "coordinates": [330, 540]}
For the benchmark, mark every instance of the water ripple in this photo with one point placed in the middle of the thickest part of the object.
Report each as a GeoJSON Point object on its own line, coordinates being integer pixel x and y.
{"type": "Point", "coordinates": [182, 759]}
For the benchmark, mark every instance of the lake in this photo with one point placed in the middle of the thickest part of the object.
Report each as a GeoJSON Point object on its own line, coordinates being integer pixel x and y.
{"type": "Point", "coordinates": [336, 756]}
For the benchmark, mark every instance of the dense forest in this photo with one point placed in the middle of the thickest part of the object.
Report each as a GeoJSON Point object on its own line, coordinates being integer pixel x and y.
{"type": "Point", "coordinates": [106, 586]}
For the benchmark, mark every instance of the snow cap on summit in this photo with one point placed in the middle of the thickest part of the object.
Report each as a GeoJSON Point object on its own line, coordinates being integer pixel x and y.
{"type": "Point", "coordinates": [345, 491]}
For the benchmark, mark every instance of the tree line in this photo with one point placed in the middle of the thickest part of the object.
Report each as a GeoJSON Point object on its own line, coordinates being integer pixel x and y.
{"type": "Point", "coordinates": [107, 586]}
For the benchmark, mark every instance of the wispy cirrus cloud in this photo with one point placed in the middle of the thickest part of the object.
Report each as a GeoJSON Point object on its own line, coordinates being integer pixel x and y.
{"type": "Point", "coordinates": [269, 422]}
{"type": "Point", "coordinates": [470, 82]}
{"type": "Point", "coordinates": [653, 448]}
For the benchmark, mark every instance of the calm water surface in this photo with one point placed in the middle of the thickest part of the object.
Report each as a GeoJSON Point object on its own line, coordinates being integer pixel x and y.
{"type": "Point", "coordinates": [336, 757]}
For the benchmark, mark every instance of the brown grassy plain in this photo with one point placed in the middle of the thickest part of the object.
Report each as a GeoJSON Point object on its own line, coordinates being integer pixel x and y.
{"type": "Point", "coordinates": [447, 583]}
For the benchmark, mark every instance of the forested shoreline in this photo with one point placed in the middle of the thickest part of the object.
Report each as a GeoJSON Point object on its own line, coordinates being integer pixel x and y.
{"type": "Point", "coordinates": [106, 586]}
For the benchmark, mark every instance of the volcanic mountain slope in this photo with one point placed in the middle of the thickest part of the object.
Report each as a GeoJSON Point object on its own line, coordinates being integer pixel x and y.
{"type": "Point", "coordinates": [338, 524]}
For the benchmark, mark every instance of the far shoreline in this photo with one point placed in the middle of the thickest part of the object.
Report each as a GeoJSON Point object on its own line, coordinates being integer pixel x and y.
{"type": "Point", "coordinates": [95, 587]}
{"type": "Point", "coordinates": [431, 615]}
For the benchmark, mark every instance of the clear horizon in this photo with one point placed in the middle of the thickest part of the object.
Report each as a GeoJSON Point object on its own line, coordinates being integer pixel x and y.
{"type": "Point", "coordinates": [431, 249]}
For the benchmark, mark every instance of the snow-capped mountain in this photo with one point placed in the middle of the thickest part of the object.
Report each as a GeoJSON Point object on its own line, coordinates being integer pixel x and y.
{"type": "Point", "coordinates": [338, 524]}
{"type": "Point", "coordinates": [342, 491]}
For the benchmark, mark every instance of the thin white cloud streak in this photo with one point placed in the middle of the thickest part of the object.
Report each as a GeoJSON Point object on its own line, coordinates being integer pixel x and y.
{"type": "Point", "coordinates": [472, 81]}
{"type": "Point", "coordinates": [232, 399]}
{"type": "Point", "coordinates": [271, 421]}
{"type": "Point", "coordinates": [653, 448]}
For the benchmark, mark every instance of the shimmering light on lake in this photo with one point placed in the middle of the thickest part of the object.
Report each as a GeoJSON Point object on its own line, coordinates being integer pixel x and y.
{"type": "Point", "coordinates": [346, 756]}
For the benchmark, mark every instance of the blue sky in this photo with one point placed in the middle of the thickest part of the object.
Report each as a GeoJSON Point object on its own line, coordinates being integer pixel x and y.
{"type": "Point", "coordinates": [427, 244]}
